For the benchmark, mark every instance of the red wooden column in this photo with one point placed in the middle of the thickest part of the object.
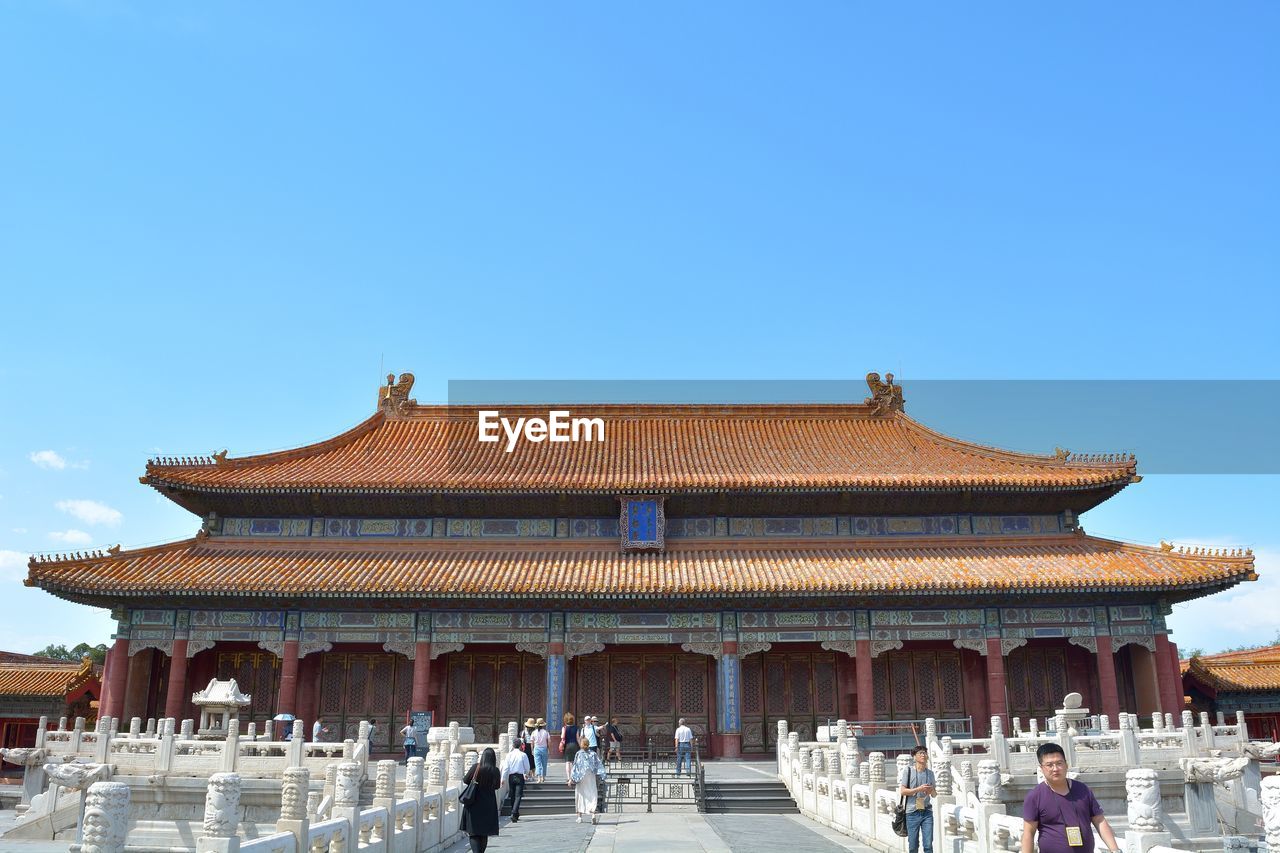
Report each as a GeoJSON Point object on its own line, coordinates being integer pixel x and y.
{"type": "Point", "coordinates": [422, 678]}
{"type": "Point", "coordinates": [1107, 685]}
{"type": "Point", "coordinates": [1167, 677]}
{"type": "Point", "coordinates": [1176, 665]}
{"type": "Point", "coordinates": [117, 678]}
{"type": "Point", "coordinates": [996, 702]}
{"type": "Point", "coordinates": [862, 674]}
{"type": "Point", "coordinates": [287, 699]}
{"type": "Point", "coordinates": [728, 693]}
{"type": "Point", "coordinates": [175, 696]}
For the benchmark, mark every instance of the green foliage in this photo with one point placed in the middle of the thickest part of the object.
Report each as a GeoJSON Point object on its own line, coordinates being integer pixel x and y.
{"type": "Point", "coordinates": [98, 653]}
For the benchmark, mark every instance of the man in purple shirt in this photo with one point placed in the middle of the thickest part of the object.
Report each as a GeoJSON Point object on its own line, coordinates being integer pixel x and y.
{"type": "Point", "coordinates": [1063, 810]}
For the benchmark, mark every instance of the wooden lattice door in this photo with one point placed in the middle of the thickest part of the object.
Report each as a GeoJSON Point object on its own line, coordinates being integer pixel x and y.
{"type": "Point", "coordinates": [1036, 680]}
{"type": "Point", "coordinates": [365, 687]}
{"type": "Point", "coordinates": [626, 700]}
{"type": "Point", "coordinates": [799, 687]}
{"type": "Point", "coordinates": [258, 674]}
{"type": "Point", "coordinates": [913, 685]}
{"type": "Point", "coordinates": [487, 691]}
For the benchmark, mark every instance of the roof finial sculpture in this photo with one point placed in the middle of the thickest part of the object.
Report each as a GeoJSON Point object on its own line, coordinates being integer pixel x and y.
{"type": "Point", "coordinates": [394, 396]}
{"type": "Point", "coordinates": [886, 398]}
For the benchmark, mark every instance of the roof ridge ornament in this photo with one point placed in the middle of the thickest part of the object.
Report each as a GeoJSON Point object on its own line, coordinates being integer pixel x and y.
{"type": "Point", "coordinates": [886, 398]}
{"type": "Point", "coordinates": [393, 398]}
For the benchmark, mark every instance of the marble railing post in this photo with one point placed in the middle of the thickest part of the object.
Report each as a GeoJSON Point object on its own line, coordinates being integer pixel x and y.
{"type": "Point", "coordinates": [221, 815]}
{"type": "Point", "coordinates": [106, 818]}
{"type": "Point", "coordinates": [346, 800]}
{"type": "Point", "coordinates": [295, 789]}
{"type": "Point", "coordinates": [1271, 812]}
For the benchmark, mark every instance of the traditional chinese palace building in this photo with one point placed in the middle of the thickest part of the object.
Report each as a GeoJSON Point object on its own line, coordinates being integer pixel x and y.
{"type": "Point", "coordinates": [1246, 681]}
{"type": "Point", "coordinates": [32, 687]}
{"type": "Point", "coordinates": [731, 564]}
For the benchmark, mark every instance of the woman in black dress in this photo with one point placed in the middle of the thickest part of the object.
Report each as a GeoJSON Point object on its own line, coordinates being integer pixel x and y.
{"type": "Point", "coordinates": [480, 816]}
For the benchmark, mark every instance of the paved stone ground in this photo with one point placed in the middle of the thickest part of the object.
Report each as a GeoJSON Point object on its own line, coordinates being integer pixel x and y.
{"type": "Point", "coordinates": [686, 832]}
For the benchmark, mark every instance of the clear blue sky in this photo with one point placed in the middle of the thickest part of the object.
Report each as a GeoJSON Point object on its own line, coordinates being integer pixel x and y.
{"type": "Point", "coordinates": [218, 220]}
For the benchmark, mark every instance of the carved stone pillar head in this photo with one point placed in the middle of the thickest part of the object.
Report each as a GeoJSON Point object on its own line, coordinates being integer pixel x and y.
{"type": "Point", "coordinates": [1204, 718]}
{"type": "Point", "coordinates": [864, 772]}
{"type": "Point", "coordinates": [472, 759]}
{"type": "Point", "coordinates": [298, 731]}
{"type": "Point", "coordinates": [413, 774]}
{"type": "Point", "coordinates": [942, 778]}
{"type": "Point", "coordinates": [793, 741]}
{"type": "Point", "coordinates": [364, 730]}
{"type": "Point", "coordinates": [1188, 719]}
{"type": "Point", "coordinates": [989, 781]}
{"type": "Point", "coordinates": [902, 762]}
{"type": "Point", "coordinates": [135, 727]}
{"type": "Point", "coordinates": [842, 731]}
{"type": "Point", "coordinates": [222, 805]}
{"type": "Point", "coordinates": [512, 729]}
{"type": "Point", "coordinates": [346, 791]}
{"type": "Point", "coordinates": [252, 732]}
{"type": "Point", "coordinates": [188, 729]}
{"type": "Point", "coordinates": [1142, 793]}
{"type": "Point", "coordinates": [1271, 812]}
{"type": "Point", "coordinates": [782, 730]}
{"type": "Point", "coordinates": [930, 729]}
{"type": "Point", "coordinates": [1104, 723]}
{"type": "Point", "coordinates": [997, 727]}
{"type": "Point", "coordinates": [106, 817]}
{"type": "Point", "coordinates": [294, 788]}
{"type": "Point", "coordinates": [455, 767]}
{"type": "Point", "coordinates": [805, 758]}
{"type": "Point", "coordinates": [504, 743]}
{"type": "Point", "coordinates": [438, 770]}
{"type": "Point", "coordinates": [455, 733]}
{"type": "Point", "coordinates": [876, 760]}
{"type": "Point", "coordinates": [313, 803]}
{"type": "Point", "coordinates": [331, 776]}
{"type": "Point", "coordinates": [1157, 722]}
{"type": "Point", "coordinates": [385, 781]}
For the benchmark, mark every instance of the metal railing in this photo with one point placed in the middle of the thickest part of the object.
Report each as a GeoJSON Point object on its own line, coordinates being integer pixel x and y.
{"type": "Point", "coordinates": [647, 777]}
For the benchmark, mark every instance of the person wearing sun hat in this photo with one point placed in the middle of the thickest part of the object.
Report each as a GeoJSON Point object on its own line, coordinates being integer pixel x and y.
{"type": "Point", "coordinates": [523, 742]}
{"type": "Point", "coordinates": [541, 742]}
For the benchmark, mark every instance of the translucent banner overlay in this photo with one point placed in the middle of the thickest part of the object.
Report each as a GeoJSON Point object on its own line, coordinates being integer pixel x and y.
{"type": "Point", "coordinates": [1173, 426]}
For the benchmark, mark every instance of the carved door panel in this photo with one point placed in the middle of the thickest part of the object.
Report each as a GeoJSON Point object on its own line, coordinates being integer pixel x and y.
{"type": "Point", "coordinates": [692, 696]}
{"type": "Point", "coordinates": [626, 701]}
{"type": "Point", "coordinates": [659, 698]}
{"type": "Point", "coordinates": [484, 702]}
{"type": "Point", "coordinates": [359, 687]}
{"type": "Point", "coordinates": [488, 691]}
{"type": "Point", "coordinates": [1036, 680]}
{"type": "Point", "coordinates": [799, 687]}
{"type": "Point", "coordinates": [914, 684]}
{"type": "Point", "coordinates": [755, 738]}
{"type": "Point", "coordinates": [258, 674]}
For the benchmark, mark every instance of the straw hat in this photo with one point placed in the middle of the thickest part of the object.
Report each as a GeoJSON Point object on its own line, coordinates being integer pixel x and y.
{"type": "Point", "coordinates": [541, 722]}
{"type": "Point", "coordinates": [529, 723]}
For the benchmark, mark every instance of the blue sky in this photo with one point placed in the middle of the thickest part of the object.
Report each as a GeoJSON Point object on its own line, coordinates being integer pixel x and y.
{"type": "Point", "coordinates": [217, 223]}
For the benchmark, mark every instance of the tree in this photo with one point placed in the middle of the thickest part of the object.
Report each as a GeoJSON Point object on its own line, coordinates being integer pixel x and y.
{"type": "Point", "coordinates": [98, 653]}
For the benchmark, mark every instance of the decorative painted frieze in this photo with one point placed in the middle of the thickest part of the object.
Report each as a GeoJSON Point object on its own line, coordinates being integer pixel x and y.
{"type": "Point", "coordinates": [701, 527]}
{"type": "Point", "coordinates": [965, 616]}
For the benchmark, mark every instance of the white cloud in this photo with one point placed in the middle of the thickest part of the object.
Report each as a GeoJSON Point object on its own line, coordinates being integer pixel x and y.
{"type": "Point", "coordinates": [91, 512]}
{"type": "Point", "coordinates": [13, 566]}
{"type": "Point", "coordinates": [71, 537]}
{"type": "Point", "coordinates": [51, 460]}
{"type": "Point", "coordinates": [1242, 615]}
{"type": "Point", "coordinates": [48, 459]}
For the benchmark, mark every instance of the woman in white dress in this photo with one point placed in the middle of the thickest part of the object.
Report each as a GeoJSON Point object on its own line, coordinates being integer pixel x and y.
{"type": "Point", "coordinates": [587, 771]}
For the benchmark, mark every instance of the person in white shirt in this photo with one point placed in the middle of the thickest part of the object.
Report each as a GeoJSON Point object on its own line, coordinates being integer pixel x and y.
{"type": "Point", "coordinates": [514, 768]}
{"type": "Point", "coordinates": [541, 740]}
{"type": "Point", "coordinates": [684, 746]}
{"type": "Point", "coordinates": [316, 728]}
{"type": "Point", "coordinates": [589, 729]}
{"type": "Point", "coordinates": [410, 735]}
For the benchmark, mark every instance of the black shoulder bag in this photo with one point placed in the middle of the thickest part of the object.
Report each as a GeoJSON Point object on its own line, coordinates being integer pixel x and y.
{"type": "Point", "coordinates": [900, 814]}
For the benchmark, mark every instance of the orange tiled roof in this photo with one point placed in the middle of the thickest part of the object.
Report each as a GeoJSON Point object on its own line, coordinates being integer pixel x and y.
{"type": "Point", "coordinates": [49, 678]}
{"type": "Point", "coordinates": [1252, 669]}
{"type": "Point", "coordinates": [658, 448]}
{"type": "Point", "coordinates": [726, 568]}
